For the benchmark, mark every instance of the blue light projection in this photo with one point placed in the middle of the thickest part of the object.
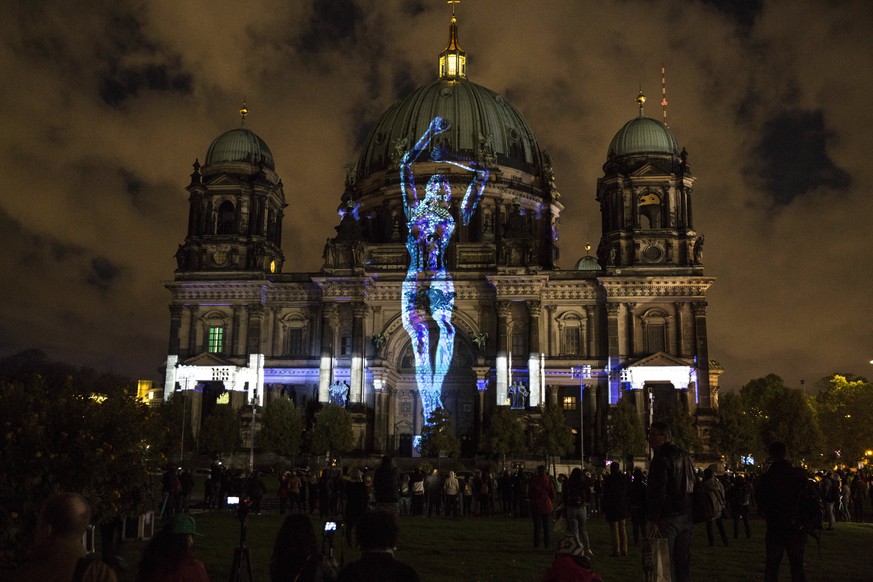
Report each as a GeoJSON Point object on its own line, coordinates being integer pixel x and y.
{"type": "Point", "coordinates": [428, 290]}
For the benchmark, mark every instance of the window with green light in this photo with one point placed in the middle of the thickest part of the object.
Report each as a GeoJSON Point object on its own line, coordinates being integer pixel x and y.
{"type": "Point", "coordinates": [216, 340]}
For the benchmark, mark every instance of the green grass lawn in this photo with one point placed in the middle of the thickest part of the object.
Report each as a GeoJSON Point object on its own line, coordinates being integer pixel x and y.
{"type": "Point", "coordinates": [497, 548]}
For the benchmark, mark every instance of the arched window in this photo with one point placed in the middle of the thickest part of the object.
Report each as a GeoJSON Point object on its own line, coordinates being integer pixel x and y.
{"type": "Point", "coordinates": [650, 211]}
{"type": "Point", "coordinates": [226, 218]}
{"type": "Point", "coordinates": [571, 334]}
{"type": "Point", "coordinates": [655, 331]}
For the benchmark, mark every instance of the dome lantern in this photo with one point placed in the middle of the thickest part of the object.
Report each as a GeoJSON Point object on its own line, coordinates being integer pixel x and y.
{"type": "Point", "coordinates": [453, 60]}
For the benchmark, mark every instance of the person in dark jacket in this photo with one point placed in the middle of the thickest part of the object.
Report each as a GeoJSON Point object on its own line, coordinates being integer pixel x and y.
{"type": "Point", "coordinates": [541, 492]}
{"type": "Point", "coordinates": [615, 508]}
{"type": "Point", "coordinates": [669, 498]}
{"type": "Point", "coordinates": [377, 534]}
{"type": "Point", "coordinates": [576, 495]}
{"type": "Point", "coordinates": [776, 494]}
{"type": "Point", "coordinates": [386, 486]}
{"type": "Point", "coordinates": [636, 497]}
{"type": "Point", "coordinates": [357, 499]}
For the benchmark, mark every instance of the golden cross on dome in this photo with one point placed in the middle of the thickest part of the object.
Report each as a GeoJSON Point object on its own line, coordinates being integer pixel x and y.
{"type": "Point", "coordinates": [243, 111]}
{"type": "Point", "coordinates": [453, 2]}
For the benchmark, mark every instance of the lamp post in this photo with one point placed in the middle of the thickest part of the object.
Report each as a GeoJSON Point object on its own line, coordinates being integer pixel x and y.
{"type": "Point", "coordinates": [252, 436]}
{"type": "Point", "coordinates": [581, 373]}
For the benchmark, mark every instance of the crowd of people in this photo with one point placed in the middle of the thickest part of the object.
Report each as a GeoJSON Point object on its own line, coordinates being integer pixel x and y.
{"type": "Point", "coordinates": [665, 499]}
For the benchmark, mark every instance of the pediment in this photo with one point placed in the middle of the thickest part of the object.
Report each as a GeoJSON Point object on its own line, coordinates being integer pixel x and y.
{"type": "Point", "coordinates": [659, 359]}
{"type": "Point", "coordinates": [222, 180]}
{"type": "Point", "coordinates": [658, 168]}
{"type": "Point", "coordinates": [207, 359]}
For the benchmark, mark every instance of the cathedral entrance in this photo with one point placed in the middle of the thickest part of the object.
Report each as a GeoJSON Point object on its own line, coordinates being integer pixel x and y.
{"type": "Point", "coordinates": [663, 399]}
{"type": "Point", "coordinates": [459, 395]}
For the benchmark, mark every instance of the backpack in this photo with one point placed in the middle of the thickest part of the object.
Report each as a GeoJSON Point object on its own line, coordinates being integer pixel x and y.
{"type": "Point", "coordinates": [808, 512]}
{"type": "Point", "coordinates": [703, 504]}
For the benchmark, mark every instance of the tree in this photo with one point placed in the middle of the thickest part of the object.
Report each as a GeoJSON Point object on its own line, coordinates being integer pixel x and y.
{"type": "Point", "coordinates": [505, 434]}
{"type": "Point", "coordinates": [682, 427]}
{"type": "Point", "coordinates": [791, 419]}
{"type": "Point", "coordinates": [282, 428]}
{"type": "Point", "coordinates": [845, 407]}
{"type": "Point", "coordinates": [735, 434]}
{"type": "Point", "coordinates": [624, 432]}
{"type": "Point", "coordinates": [437, 435]}
{"type": "Point", "coordinates": [219, 432]}
{"type": "Point", "coordinates": [70, 429]}
{"type": "Point", "coordinates": [175, 414]}
{"type": "Point", "coordinates": [332, 432]}
{"type": "Point", "coordinates": [553, 438]}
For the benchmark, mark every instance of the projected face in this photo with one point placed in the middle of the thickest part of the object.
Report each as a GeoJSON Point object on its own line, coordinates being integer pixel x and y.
{"type": "Point", "coordinates": [428, 296]}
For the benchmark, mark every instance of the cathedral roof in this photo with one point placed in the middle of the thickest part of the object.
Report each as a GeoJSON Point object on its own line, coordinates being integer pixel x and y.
{"type": "Point", "coordinates": [588, 263]}
{"type": "Point", "coordinates": [483, 122]}
{"type": "Point", "coordinates": [240, 145]}
{"type": "Point", "coordinates": [643, 135]}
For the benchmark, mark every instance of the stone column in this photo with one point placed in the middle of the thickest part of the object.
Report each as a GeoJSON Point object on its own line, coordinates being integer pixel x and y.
{"type": "Point", "coordinates": [702, 355]}
{"type": "Point", "coordinates": [278, 334]}
{"type": "Point", "coordinates": [503, 311]}
{"type": "Point", "coordinates": [193, 325]}
{"type": "Point", "coordinates": [590, 337]}
{"type": "Point", "coordinates": [614, 353]}
{"type": "Point", "coordinates": [255, 327]}
{"type": "Point", "coordinates": [356, 381]}
{"type": "Point", "coordinates": [325, 370]}
{"type": "Point", "coordinates": [551, 340]}
{"type": "Point", "coordinates": [175, 329]}
{"type": "Point", "coordinates": [533, 363]}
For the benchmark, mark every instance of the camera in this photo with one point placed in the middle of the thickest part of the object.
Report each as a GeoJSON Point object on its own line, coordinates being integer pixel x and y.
{"type": "Point", "coordinates": [233, 500]}
{"type": "Point", "coordinates": [330, 527]}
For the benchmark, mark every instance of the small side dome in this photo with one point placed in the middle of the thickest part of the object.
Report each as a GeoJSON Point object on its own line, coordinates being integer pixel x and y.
{"type": "Point", "coordinates": [588, 263]}
{"type": "Point", "coordinates": [240, 145]}
{"type": "Point", "coordinates": [643, 135]}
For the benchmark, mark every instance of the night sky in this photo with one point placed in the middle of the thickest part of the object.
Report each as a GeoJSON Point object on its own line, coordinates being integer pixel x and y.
{"type": "Point", "coordinates": [106, 104]}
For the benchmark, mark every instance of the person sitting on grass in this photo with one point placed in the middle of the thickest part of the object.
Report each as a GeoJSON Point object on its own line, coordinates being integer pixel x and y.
{"type": "Point", "coordinates": [570, 563]}
{"type": "Point", "coordinates": [377, 533]}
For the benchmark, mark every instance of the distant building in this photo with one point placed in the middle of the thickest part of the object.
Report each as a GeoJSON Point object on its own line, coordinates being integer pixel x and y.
{"type": "Point", "coordinates": [629, 322]}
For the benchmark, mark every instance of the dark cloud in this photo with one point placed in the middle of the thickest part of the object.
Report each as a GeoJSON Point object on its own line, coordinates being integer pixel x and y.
{"type": "Point", "coordinates": [742, 12]}
{"type": "Point", "coordinates": [792, 157]}
{"type": "Point", "coordinates": [332, 22]}
{"type": "Point", "coordinates": [102, 273]}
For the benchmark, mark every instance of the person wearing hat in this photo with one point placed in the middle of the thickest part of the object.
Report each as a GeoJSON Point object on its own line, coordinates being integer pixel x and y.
{"type": "Point", "coordinates": [570, 563]}
{"type": "Point", "coordinates": [169, 557]}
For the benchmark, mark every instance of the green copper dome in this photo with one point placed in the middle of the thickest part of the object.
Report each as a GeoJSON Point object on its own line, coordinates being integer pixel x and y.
{"type": "Point", "coordinates": [482, 123]}
{"type": "Point", "coordinates": [240, 145]}
{"type": "Point", "coordinates": [587, 263]}
{"type": "Point", "coordinates": [643, 135]}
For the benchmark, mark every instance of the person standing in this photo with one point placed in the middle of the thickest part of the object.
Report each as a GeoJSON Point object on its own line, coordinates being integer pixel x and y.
{"type": "Point", "coordinates": [615, 508]}
{"type": "Point", "coordinates": [576, 496]}
{"type": "Point", "coordinates": [433, 487]}
{"type": "Point", "coordinates": [636, 497]}
{"type": "Point", "coordinates": [357, 502]}
{"type": "Point", "coordinates": [386, 486]}
{"type": "Point", "coordinates": [284, 492]}
{"type": "Point", "coordinates": [740, 497]}
{"type": "Point", "coordinates": [451, 487]}
{"type": "Point", "coordinates": [58, 553]}
{"type": "Point", "coordinates": [541, 492]}
{"type": "Point", "coordinates": [715, 490]}
{"type": "Point", "coordinates": [669, 498]}
{"type": "Point", "coordinates": [777, 493]}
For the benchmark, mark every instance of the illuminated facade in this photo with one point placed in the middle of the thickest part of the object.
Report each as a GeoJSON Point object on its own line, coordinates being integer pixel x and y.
{"type": "Point", "coordinates": [453, 298]}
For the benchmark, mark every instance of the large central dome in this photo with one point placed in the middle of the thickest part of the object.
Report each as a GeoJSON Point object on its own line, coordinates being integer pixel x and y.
{"type": "Point", "coordinates": [482, 122]}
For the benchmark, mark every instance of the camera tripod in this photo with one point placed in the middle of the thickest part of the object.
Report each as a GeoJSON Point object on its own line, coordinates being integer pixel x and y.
{"type": "Point", "coordinates": [241, 569]}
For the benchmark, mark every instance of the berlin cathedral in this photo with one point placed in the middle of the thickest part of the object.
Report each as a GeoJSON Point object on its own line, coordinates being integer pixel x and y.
{"type": "Point", "coordinates": [440, 286]}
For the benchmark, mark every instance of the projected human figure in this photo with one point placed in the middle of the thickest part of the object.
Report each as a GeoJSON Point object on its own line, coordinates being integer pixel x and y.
{"type": "Point", "coordinates": [428, 290]}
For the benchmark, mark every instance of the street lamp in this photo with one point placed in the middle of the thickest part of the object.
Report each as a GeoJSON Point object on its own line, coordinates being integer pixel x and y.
{"type": "Point", "coordinates": [252, 450]}
{"type": "Point", "coordinates": [582, 373]}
